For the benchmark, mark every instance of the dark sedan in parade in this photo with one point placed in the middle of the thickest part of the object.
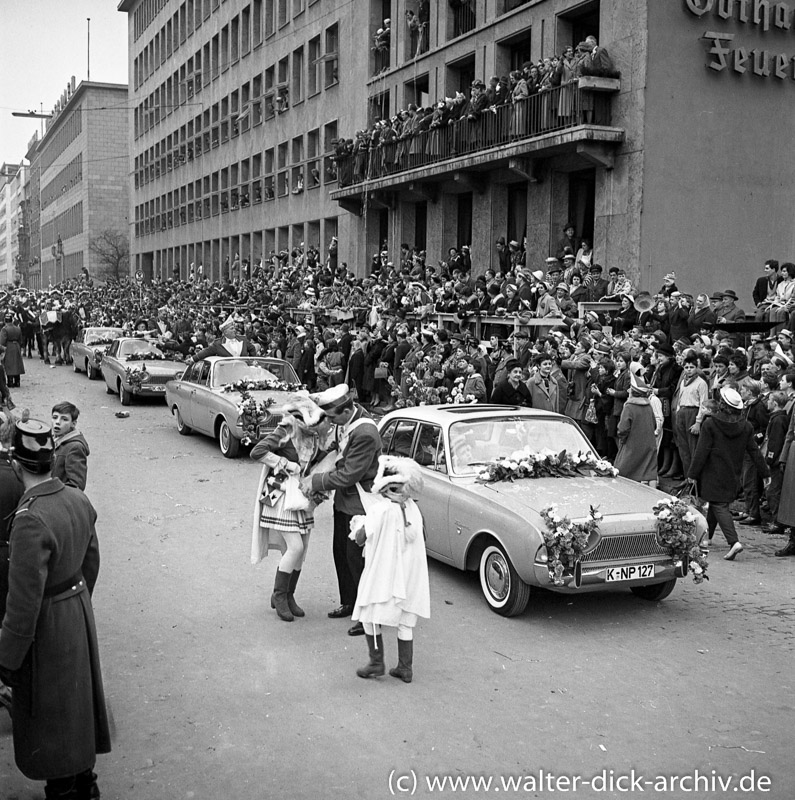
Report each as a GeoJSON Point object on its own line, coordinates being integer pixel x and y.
{"type": "Point", "coordinates": [134, 367]}
{"type": "Point", "coordinates": [497, 527]}
{"type": "Point", "coordinates": [227, 398]}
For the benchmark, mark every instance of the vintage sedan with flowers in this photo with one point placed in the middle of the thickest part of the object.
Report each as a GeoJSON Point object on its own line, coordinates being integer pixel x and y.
{"type": "Point", "coordinates": [228, 398]}
{"type": "Point", "coordinates": [520, 496]}
{"type": "Point", "coordinates": [89, 346]}
{"type": "Point", "coordinates": [137, 367]}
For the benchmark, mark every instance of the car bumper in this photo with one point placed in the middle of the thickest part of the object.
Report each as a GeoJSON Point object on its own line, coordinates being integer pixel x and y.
{"type": "Point", "coordinates": [595, 577]}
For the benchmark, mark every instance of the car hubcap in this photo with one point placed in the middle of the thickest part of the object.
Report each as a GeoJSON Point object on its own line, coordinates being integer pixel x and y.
{"type": "Point", "coordinates": [224, 437]}
{"type": "Point", "coordinates": [497, 577]}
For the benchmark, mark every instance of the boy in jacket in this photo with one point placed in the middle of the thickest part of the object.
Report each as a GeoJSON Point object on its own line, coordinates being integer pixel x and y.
{"type": "Point", "coordinates": [70, 462]}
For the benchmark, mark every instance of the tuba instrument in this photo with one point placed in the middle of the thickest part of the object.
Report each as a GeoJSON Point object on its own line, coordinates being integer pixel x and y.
{"type": "Point", "coordinates": [643, 302]}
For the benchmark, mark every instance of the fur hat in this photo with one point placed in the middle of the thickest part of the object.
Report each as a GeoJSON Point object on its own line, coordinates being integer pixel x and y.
{"type": "Point", "coordinates": [397, 469]}
{"type": "Point", "coordinates": [303, 409]}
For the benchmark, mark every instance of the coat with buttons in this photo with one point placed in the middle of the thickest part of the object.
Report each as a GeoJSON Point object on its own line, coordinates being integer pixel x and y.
{"type": "Point", "coordinates": [48, 642]}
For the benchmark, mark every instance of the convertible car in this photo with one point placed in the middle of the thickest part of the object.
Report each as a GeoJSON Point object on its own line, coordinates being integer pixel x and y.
{"type": "Point", "coordinates": [228, 398]}
{"type": "Point", "coordinates": [136, 367]}
{"type": "Point", "coordinates": [88, 348]}
{"type": "Point", "coordinates": [496, 527]}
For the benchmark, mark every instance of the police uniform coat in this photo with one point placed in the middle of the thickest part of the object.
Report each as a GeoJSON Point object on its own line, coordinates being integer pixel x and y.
{"type": "Point", "coordinates": [48, 638]}
{"type": "Point", "coordinates": [10, 338]}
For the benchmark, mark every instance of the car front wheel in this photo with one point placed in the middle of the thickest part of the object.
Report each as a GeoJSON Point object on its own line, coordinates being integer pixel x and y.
{"type": "Point", "coordinates": [230, 446]}
{"type": "Point", "coordinates": [504, 590]}
{"type": "Point", "coordinates": [182, 428]}
{"type": "Point", "coordinates": [657, 591]}
{"type": "Point", "coordinates": [124, 395]}
{"type": "Point", "coordinates": [92, 372]}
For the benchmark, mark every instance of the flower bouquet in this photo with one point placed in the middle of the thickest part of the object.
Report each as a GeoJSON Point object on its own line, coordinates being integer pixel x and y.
{"type": "Point", "coordinates": [544, 464]}
{"type": "Point", "coordinates": [244, 385]}
{"type": "Point", "coordinates": [136, 377]}
{"type": "Point", "coordinates": [252, 412]}
{"type": "Point", "coordinates": [566, 542]}
{"type": "Point", "coordinates": [676, 530]}
{"type": "Point", "coordinates": [418, 393]}
{"type": "Point", "coordinates": [150, 356]}
{"type": "Point", "coordinates": [457, 396]}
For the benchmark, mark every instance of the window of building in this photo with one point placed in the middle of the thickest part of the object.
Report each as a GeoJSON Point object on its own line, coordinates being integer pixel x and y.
{"type": "Point", "coordinates": [379, 107]}
{"type": "Point", "coordinates": [284, 16]}
{"type": "Point", "coordinates": [460, 75]}
{"type": "Point", "coordinates": [256, 23]}
{"type": "Point", "coordinates": [269, 17]}
{"type": "Point", "coordinates": [416, 91]}
{"type": "Point", "coordinates": [513, 52]}
{"type": "Point", "coordinates": [461, 18]}
{"type": "Point", "coordinates": [224, 48]}
{"type": "Point", "coordinates": [234, 39]}
{"type": "Point", "coordinates": [297, 88]}
{"type": "Point", "coordinates": [245, 31]}
{"type": "Point", "coordinates": [314, 55]}
{"type": "Point", "coordinates": [331, 56]}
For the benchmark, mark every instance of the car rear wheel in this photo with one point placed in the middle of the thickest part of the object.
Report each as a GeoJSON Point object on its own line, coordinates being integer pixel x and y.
{"type": "Point", "coordinates": [124, 395]}
{"type": "Point", "coordinates": [657, 591]}
{"type": "Point", "coordinates": [230, 446]}
{"type": "Point", "coordinates": [505, 592]}
{"type": "Point", "coordinates": [184, 430]}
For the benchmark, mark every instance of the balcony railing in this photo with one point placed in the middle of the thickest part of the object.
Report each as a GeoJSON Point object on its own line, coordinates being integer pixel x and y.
{"type": "Point", "coordinates": [552, 110]}
{"type": "Point", "coordinates": [463, 14]}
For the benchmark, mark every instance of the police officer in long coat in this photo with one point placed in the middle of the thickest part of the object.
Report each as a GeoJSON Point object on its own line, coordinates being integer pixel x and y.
{"type": "Point", "coordinates": [48, 645]}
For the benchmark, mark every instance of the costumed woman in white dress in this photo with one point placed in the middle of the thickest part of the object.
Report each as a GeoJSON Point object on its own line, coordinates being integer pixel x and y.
{"type": "Point", "coordinates": [393, 589]}
{"type": "Point", "coordinates": [283, 516]}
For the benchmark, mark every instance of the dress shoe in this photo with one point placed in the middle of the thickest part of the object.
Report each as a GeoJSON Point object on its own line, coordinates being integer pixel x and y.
{"type": "Point", "coordinates": [357, 630]}
{"type": "Point", "coordinates": [753, 521]}
{"type": "Point", "coordinates": [789, 550]}
{"type": "Point", "coordinates": [776, 529]}
{"type": "Point", "coordinates": [341, 611]}
{"type": "Point", "coordinates": [736, 549]}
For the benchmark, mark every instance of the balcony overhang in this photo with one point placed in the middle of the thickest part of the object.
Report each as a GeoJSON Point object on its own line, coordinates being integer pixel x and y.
{"type": "Point", "coordinates": [581, 147]}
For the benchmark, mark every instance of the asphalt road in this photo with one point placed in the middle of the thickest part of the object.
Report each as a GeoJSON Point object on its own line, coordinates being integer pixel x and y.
{"type": "Point", "coordinates": [214, 698]}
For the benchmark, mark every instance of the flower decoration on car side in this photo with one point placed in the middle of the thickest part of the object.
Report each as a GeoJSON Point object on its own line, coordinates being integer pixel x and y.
{"type": "Point", "coordinates": [566, 541]}
{"type": "Point", "coordinates": [677, 531]}
{"type": "Point", "coordinates": [544, 464]}
{"type": "Point", "coordinates": [252, 413]}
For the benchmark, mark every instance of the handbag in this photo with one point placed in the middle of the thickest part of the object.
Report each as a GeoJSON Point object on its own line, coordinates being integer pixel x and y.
{"type": "Point", "coordinates": [294, 498]}
{"type": "Point", "coordinates": [590, 412]}
{"type": "Point", "coordinates": [381, 373]}
{"type": "Point", "coordinates": [688, 493]}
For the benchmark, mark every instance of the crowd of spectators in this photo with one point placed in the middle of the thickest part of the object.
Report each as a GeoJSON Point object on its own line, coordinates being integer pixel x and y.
{"type": "Point", "coordinates": [383, 335]}
{"type": "Point", "coordinates": [499, 112]}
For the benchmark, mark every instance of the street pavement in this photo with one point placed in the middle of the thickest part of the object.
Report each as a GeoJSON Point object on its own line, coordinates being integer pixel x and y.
{"type": "Point", "coordinates": [214, 698]}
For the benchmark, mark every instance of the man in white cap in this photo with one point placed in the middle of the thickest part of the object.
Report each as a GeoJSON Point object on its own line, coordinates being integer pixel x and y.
{"type": "Point", "coordinates": [230, 343]}
{"type": "Point", "coordinates": [359, 445]}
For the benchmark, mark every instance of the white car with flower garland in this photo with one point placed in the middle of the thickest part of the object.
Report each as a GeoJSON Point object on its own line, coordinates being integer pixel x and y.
{"type": "Point", "coordinates": [521, 496]}
{"type": "Point", "coordinates": [228, 398]}
{"type": "Point", "coordinates": [135, 367]}
{"type": "Point", "coordinates": [88, 348]}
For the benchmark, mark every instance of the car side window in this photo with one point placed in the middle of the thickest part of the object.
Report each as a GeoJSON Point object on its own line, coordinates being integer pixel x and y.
{"type": "Point", "coordinates": [190, 373]}
{"type": "Point", "coordinates": [114, 349]}
{"type": "Point", "coordinates": [387, 435]}
{"type": "Point", "coordinates": [427, 448]}
{"type": "Point", "coordinates": [203, 376]}
{"type": "Point", "coordinates": [402, 438]}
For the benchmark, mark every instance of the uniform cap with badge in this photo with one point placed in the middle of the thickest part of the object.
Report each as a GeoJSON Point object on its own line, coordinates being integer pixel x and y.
{"type": "Point", "coordinates": [34, 446]}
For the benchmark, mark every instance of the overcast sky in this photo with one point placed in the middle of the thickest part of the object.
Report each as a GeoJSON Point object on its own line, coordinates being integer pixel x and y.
{"type": "Point", "coordinates": [43, 44]}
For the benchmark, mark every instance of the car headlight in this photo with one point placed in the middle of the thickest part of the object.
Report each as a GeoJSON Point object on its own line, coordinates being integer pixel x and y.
{"type": "Point", "coordinates": [542, 555]}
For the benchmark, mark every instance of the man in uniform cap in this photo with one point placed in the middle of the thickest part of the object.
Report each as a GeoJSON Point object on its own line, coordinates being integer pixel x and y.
{"type": "Point", "coordinates": [48, 645]}
{"type": "Point", "coordinates": [359, 445]}
{"type": "Point", "coordinates": [230, 344]}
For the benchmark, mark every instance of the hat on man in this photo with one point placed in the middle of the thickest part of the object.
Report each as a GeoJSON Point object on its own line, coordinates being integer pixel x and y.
{"type": "Point", "coordinates": [538, 274]}
{"type": "Point", "coordinates": [513, 243]}
{"type": "Point", "coordinates": [595, 268]}
{"type": "Point", "coordinates": [785, 332]}
{"type": "Point", "coordinates": [229, 322]}
{"type": "Point", "coordinates": [562, 287]}
{"type": "Point", "coordinates": [333, 398]}
{"type": "Point", "coordinates": [34, 446]}
{"type": "Point", "coordinates": [300, 330]}
{"type": "Point", "coordinates": [731, 397]}
{"type": "Point", "coordinates": [664, 349]}
{"type": "Point", "coordinates": [716, 296]}
{"type": "Point", "coordinates": [551, 262]}
{"type": "Point", "coordinates": [569, 257]}
{"type": "Point", "coordinates": [729, 293]}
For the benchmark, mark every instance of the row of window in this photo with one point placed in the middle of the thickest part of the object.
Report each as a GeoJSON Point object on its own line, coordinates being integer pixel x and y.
{"type": "Point", "coordinates": [249, 247]}
{"type": "Point", "coordinates": [231, 189]}
{"type": "Point", "coordinates": [258, 20]}
{"type": "Point", "coordinates": [70, 130]}
{"type": "Point", "coordinates": [69, 177]}
{"type": "Point", "coordinates": [267, 94]}
{"type": "Point", "coordinates": [67, 224]}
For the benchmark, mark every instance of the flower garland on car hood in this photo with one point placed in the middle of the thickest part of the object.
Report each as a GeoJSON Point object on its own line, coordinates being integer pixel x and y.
{"type": "Point", "coordinates": [244, 385]}
{"type": "Point", "coordinates": [676, 530]}
{"type": "Point", "coordinates": [543, 464]}
{"type": "Point", "coordinates": [146, 357]}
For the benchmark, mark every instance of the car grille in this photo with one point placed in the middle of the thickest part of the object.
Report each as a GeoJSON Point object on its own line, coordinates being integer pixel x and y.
{"type": "Point", "coordinates": [617, 548]}
{"type": "Point", "coordinates": [269, 425]}
{"type": "Point", "coordinates": [159, 379]}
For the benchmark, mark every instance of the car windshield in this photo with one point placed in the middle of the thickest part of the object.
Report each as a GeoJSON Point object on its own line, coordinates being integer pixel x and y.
{"type": "Point", "coordinates": [139, 347]}
{"type": "Point", "coordinates": [474, 441]}
{"type": "Point", "coordinates": [102, 335]}
{"type": "Point", "coordinates": [249, 369]}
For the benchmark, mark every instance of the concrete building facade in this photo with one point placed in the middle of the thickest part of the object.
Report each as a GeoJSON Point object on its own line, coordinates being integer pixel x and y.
{"type": "Point", "coordinates": [680, 167]}
{"type": "Point", "coordinates": [79, 184]}
{"type": "Point", "coordinates": [234, 108]}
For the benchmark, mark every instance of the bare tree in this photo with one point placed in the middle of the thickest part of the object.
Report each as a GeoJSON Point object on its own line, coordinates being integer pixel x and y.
{"type": "Point", "coordinates": [112, 249]}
